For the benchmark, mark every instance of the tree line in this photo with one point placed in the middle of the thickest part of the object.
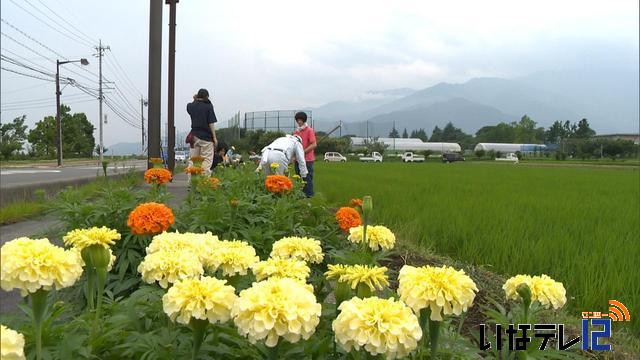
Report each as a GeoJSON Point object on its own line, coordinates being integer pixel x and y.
{"type": "Point", "coordinates": [77, 137]}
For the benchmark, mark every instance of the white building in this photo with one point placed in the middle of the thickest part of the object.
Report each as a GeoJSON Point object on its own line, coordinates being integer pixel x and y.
{"type": "Point", "coordinates": [506, 148]}
{"type": "Point", "coordinates": [410, 144]}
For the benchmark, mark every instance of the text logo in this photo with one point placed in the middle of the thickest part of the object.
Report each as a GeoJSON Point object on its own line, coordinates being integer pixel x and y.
{"type": "Point", "coordinates": [598, 325]}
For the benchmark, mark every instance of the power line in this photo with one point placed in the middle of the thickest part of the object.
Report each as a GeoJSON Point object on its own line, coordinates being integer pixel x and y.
{"type": "Point", "coordinates": [60, 56]}
{"type": "Point", "coordinates": [24, 74]}
{"type": "Point", "coordinates": [117, 112]}
{"type": "Point", "coordinates": [22, 89]}
{"type": "Point", "coordinates": [47, 24]}
{"type": "Point", "coordinates": [42, 100]}
{"type": "Point", "coordinates": [91, 40]}
{"type": "Point", "coordinates": [118, 76]}
{"type": "Point", "coordinates": [23, 58]}
{"type": "Point", "coordinates": [42, 106]}
{"type": "Point", "coordinates": [125, 73]}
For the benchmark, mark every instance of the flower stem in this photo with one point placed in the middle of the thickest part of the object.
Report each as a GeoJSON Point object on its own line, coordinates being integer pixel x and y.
{"type": "Point", "coordinates": [434, 334]}
{"type": "Point", "coordinates": [101, 280]}
{"type": "Point", "coordinates": [199, 328]}
{"type": "Point", "coordinates": [273, 352]}
{"type": "Point", "coordinates": [39, 306]}
{"type": "Point", "coordinates": [91, 276]}
{"type": "Point", "coordinates": [424, 318]}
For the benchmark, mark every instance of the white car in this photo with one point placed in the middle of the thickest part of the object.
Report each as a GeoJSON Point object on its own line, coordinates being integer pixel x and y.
{"type": "Point", "coordinates": [511, 157]}
{"type": "Point", "coordinates": [411, 157]}
{"type": "Point", "coordinates": [334, 156]}
{"type": "Point", "coordinates": [181, 156]}
{"type": "Point", "coordinates": [375, 157]}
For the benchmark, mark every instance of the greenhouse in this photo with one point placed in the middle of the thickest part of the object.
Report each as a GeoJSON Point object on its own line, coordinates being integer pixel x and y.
{"type": "Point", "coordinates": [505, 147]}
{"type": "Point", "coordinates": [408, 144]}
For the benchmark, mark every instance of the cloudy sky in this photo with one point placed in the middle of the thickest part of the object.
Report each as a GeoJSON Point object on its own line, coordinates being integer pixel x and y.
{"type": "Point", "coordinates": [262, 55]}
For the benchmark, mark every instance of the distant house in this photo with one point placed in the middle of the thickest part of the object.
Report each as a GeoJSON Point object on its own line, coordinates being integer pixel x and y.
{"type": "Point", "coordinates": [407, 144]}
{"type": "Point", "coordinates": [629, 137]}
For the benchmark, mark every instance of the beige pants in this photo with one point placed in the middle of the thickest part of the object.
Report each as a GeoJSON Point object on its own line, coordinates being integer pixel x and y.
{"type": "Point", "coordinates": [205, 149]}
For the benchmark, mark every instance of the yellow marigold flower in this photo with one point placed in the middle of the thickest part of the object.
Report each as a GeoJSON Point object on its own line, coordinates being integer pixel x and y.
{"type": "Point", "coordinates": [548, 292]}
{"type": "Point", "coordinates": [170, 266]}
{"type": "Point", "coordinates": [335, 271]}
{"type": "Point", "coordinates": [378, 237]}
{"type": "Point", "coordinates": [274, 166]}
{"type": "Point", "coordinates": [381, 326]}
{"type": "Point", "coordinates": [442, 289]}
{"type": "Point", "coordinates": [301, 248]}
{"type": "Point", "coordinates": [275, 308]}
{"type": "Point", "coordinates": [372, 276]}
{"type": "Point", "coordinates": [82, 238]}
{"type": "Point", "coordinates": [29, 265]}
{"type": "Point", "coordinates": [278, 267]}
{"type": "Point", "coordinates": [206, 298]}
{"type": "Point", "coordinates": [233, 257]}
{"type": "Point", "coordinates": [12, 344]}
{"type": "Point", "coordinates": [200, 245]}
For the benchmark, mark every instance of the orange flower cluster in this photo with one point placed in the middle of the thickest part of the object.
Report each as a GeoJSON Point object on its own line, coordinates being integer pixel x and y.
{"type": "Point", "coordinates": [278, 184]}
{"type": "Point", "coordinates": [194, 170]}
{"type": "Point", "coordinates": [213, 182]}
{"type": "Point", "coordinates": [356, 203]}
{"type": "Point", "coordinates": [150, 219]}
{"type": "Point", "coordinates": [157, 176]}
{"type": "Point", "coordinates": [347, 218]}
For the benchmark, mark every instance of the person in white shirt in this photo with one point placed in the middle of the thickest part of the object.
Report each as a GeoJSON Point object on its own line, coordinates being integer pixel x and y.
{"type": "Point", "coordinates": [282, 151]}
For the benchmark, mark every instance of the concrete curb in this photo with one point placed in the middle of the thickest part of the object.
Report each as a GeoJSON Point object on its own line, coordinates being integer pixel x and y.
{"type": "Point", "coordinates": [28, 191]}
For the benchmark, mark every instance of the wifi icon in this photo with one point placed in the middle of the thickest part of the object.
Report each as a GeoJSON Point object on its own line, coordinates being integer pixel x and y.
{"type": "Point", "coordinates": [618, 312]}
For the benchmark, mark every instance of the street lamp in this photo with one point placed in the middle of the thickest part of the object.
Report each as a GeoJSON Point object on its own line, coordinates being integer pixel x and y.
{"type": "Point", "coordinates": [58, 93]}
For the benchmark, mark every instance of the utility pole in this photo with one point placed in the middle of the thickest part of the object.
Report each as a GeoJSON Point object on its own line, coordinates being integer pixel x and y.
{"type": "Point", "coordinates": [155, 76]}
{"type": "Point", "coordinates": [171, 85]}
{"type": "Point", "coordinates": [82, 61]}
{"type": "Point", "coordinates": [143, 103]}
{"type": "Point", "coordinates": [101, 50]}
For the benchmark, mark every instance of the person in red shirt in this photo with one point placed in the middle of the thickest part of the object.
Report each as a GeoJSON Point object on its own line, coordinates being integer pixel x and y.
{"type": "Point", "coordinates": [308, 136]}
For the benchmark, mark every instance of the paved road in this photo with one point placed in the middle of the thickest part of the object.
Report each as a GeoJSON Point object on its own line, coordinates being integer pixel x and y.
{"type": "Point", "coordinates": [10, 177]}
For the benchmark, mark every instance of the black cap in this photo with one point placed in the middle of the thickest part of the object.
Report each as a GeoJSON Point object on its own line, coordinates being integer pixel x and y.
{"type": "Point", "coordinates": [203, 94]}
{"type": "Point", "coordinates": [301, 115]}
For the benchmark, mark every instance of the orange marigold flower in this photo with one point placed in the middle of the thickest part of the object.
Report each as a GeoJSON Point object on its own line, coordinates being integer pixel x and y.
{"type": "Point", "coordinates": [157, 176]}
{"type": "Point", "coordinates": [347, 218]}
{"type": "Point", "coordinates": [194, 170]}
{"type": "Point", "coordinates": [213, 182]}
{"type": "Point", "coordinates": [150, 219]}
{"type": "Point", "coordinates": [356, 202]}
{"type": "Point", "coordinates": [278, 184]}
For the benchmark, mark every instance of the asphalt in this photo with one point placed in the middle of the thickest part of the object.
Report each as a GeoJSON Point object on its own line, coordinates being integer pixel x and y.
{"type": "Point", "coordinates": [21, 176]}
{"type": "Point", "coordinates": [49, 226]}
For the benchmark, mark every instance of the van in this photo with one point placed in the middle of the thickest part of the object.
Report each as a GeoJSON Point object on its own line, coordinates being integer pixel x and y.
{"type": "Point", "coordinates": [451, 157]}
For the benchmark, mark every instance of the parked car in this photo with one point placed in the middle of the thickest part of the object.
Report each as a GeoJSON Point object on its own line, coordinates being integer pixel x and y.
{"type": "Point", "coordinates": [375, 157]}
{"type": "Point", "coordinates": [334, 156]}
{"type": "Point", "coordinates": [411, 157]}
{"type": "Point", "coordinates": [182, 156]}
{"type": "Point", "coordinates": [509, 157]}
{"type": "Point", "coordinates": [452, 157]}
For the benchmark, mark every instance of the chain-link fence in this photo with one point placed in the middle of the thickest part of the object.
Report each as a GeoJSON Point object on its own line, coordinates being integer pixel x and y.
{"type": "Point", "coordinates": [274, 120]}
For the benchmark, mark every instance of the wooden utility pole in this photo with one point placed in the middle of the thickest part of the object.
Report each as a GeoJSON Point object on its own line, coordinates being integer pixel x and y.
{"type": "Point", "coordinates": [171, 91]}
{"type": "Point", "coordinates": [155, 79]}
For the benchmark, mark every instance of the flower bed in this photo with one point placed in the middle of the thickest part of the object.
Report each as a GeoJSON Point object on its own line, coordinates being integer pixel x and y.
{"type": "Point", "coordinates": [246, 268]}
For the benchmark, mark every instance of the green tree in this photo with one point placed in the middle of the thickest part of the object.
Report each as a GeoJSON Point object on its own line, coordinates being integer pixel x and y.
{"type": "Point", "coordinates": [394, 133]}
{"type": "Point", "coordinates": [583, 131]}
{"type": "Point", "coordinates": [405, 135]}
{"type": "Point", "coordinates": [419, 134]}
{"type": "Point", "coordinates": [501, 133]}
{"type": "Point", "coordinates": [555, 133]}
{"type": "Point", "coordinates": [525, 130]}
{"type": "Point", "coordinates": [436, 134]}
{"type": "Point", "coordinates": [12, 136]}
{"type": "Point", "coordinates": [77, 135]}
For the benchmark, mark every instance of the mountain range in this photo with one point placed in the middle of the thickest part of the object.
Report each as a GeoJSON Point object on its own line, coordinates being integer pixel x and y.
{"type": "Point", "coordinates": [609, 100]}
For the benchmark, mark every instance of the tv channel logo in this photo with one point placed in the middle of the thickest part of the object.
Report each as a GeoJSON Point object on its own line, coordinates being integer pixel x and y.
{"type": "Point", "coordinates": [602, 322]}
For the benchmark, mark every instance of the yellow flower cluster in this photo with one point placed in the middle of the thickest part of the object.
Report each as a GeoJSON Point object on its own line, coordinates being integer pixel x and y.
{"type": "Point", "coordinates": [548, 292]}
{"type": "Point", "coordinates": [12, 344]}
{"type": "Point", "coordinates": [281, 268]}
{"type": "Point", "coordinates": [381, 326]}
{"type": "Point", "coordinates": [200, 245]}
{"type": "Point", "coordinates": [29, 265]}
{"type": "Point", "coordinates": [233, 257]}
{"type": "Point", "coordinates": [275, 308]}
{"type": "Point", "coordinates": [82, 238]}
{"type": "Point", "coordinates": [206, 298]}
{"type": "Point", "coordinates": [442, 289]}
{"type": "Point", "coordinates": [378, 237]}
{"type": "Point", "coordinates": [373, 276]}
{"type": "Point", "coordinates": [170, 266]}
{"type": "Point", "coordinates": [301, 248]}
